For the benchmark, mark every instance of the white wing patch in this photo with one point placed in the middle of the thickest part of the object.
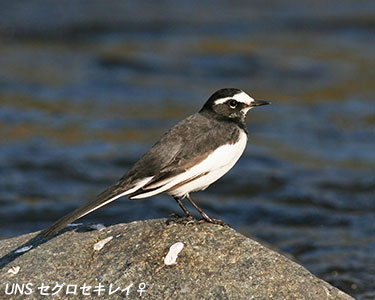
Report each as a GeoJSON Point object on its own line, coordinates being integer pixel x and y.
{"type": "Point", "coordinates": [132, 190]}
{"type": "Point", "coordinates": [213, 167]}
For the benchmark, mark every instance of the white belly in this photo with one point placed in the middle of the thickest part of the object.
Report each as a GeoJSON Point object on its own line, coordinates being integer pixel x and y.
{"type": "Point", "coordinates": [214, 166]}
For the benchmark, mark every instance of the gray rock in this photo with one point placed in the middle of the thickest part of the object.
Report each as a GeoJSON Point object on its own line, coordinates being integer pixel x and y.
{"type": "Point", "coordinates": [215, 263]}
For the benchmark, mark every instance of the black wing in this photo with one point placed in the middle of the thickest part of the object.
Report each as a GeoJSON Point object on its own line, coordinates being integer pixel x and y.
{"type": "Point", "coordinates": [158, 158]}
{"type": "Point", "coordinates": [199, 140]}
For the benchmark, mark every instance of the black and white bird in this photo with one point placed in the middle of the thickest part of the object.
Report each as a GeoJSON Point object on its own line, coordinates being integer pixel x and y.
{"type": "Point", "coordinates": [189, 157]}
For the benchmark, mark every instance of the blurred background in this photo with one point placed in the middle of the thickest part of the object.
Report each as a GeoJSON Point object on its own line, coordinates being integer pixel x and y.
{"type": "Point", "coordinates": [86, 87]}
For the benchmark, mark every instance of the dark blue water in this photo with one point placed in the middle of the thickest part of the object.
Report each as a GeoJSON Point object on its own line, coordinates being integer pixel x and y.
{"type": "Point", "coordinates": [87, 87]}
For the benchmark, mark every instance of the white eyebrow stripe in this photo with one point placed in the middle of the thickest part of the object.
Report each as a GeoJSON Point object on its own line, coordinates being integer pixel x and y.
{"type": "Point", "coordinates": [222, 100]}
{"type": "Point", "coordinates": [243, 98]}
{"type": "Point", "coordinates": [240, 97]}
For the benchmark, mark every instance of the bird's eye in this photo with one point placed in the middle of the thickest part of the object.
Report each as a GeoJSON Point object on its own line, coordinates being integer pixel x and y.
{"type": "Point", "coordinates": [233, 103]}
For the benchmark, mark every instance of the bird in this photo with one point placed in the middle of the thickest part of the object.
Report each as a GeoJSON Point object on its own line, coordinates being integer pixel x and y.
{"type": "Point", "coordinates": [192, 155]}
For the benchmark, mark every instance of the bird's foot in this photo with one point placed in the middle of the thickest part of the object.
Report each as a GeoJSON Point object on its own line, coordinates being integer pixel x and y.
{"type": "Point", "coordinates": [175, 218]}
{"type": "Point", "coordinates": [212, 220]}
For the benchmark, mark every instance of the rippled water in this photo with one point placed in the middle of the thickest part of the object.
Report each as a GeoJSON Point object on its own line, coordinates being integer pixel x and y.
{"type": "Point", "coordinates": [87, 87]}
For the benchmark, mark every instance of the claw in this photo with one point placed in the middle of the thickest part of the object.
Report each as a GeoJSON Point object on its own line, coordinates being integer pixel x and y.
{"type": "Point", "coordinates": [214, 221]}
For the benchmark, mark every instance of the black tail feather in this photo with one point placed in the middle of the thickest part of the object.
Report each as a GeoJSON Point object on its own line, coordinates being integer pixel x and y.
{"type": "Point", "coordinates": [109, 195]}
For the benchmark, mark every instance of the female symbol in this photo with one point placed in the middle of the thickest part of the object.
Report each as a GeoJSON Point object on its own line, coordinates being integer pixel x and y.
{"type": "Point", "coordinates": [141, 288]}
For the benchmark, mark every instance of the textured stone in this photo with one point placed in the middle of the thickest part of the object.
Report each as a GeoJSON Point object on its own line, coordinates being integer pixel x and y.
{"type": "Point", "coordinates": [215, 263]}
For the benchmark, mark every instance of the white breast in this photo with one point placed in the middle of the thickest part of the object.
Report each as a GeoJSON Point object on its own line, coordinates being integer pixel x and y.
{"type": "Point", "coordinates": [203, 174]}
{"type": "Point", "coordinates": [214, 166]}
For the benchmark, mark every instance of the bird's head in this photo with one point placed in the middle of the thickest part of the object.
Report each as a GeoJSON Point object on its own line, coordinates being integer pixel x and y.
{"type": "Point", "coordinates": [231, 103]}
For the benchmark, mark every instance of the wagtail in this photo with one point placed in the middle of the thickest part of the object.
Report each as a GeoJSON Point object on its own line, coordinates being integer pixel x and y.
{"type": "Point", "coordinates": [189, 157]}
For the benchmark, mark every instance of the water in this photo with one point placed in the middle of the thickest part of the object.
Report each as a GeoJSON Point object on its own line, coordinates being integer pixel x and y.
{"type": "Point", "coordinates": [85, 89]}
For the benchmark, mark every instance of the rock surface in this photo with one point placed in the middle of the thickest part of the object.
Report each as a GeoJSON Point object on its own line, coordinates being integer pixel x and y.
{"type": "Point", "coordinates": [215, 262]}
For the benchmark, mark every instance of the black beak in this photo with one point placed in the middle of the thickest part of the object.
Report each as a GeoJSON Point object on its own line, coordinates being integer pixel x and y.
{"type": "Point", "coordinates": [259, 103]}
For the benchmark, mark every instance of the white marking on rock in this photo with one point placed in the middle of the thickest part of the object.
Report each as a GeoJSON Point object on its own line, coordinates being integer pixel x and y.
{"type": "Point", "coordinates": [97, 226]}
{"type": "Point", "coordinates": [99, 245]}
{"type": "Point", "coordinates": [23, 249]}
{"type": "Point", "coordinates": [14, 270]}
{"type": "Point", "coordinates": [74, 225]}
{"type": "Point", "coordinates": [172, 255]}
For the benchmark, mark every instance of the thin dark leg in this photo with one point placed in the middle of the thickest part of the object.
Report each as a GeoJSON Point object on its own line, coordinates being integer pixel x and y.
{"type": "Point", "coordinates": [204, 215]}
{"type": "Point", "coordinates": [187, 213]}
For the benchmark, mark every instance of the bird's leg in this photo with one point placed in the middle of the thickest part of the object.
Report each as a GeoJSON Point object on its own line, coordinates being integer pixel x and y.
{"type": "Point", "coordinates": [187, 213]}
{"type": "Point", "coordinates": [204, 215]}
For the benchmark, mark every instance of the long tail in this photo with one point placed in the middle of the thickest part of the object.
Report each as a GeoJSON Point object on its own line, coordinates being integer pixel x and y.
{"type": "Point", "coordinates": [112, 193]}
